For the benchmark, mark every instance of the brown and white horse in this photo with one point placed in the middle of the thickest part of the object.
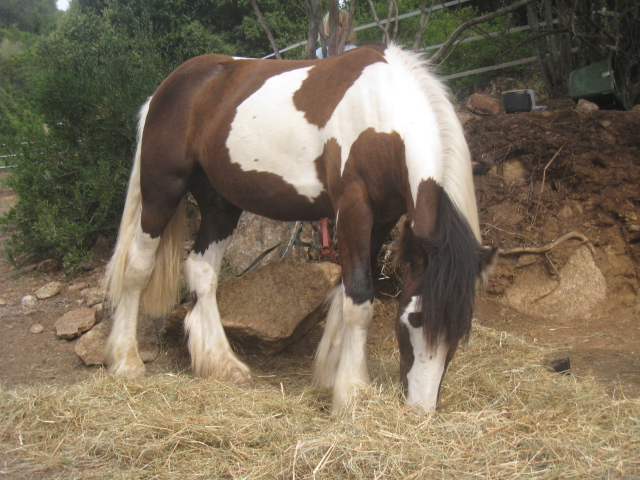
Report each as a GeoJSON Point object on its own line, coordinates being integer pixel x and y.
{"type": "Point", "coordinates": [363, 137]}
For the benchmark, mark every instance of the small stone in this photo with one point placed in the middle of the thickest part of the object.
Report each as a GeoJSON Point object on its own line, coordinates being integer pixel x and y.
{"type": "Point", "coordinates": [48, 265]}
{"type": "Point", "coordinates": [90, 347]}
{"type": "Point", "coordinates": [526, 260]}
{"type": "Point", "coordinates": [483, 104]}
{"type": "Point", "coordinates": [28, 301]}
{"type": "Point", "coordinates": [586, 106]}
{"type": "Point", "coordinates": [515, 173]}
{"type": "Point", "coordinates": [78, 287]}
{"type": "Point", "coordinates": [633, 228]}
{"type": "Point", "coordinates": [3, 302]}
{"type": "Point", "coordinates": [48, 291]}
{"type": "Point", "coordinates": [36, 328]}
{"type": "Point", "coordinates": [92, 296]}
{"type": "Point", "coordinates": [75, 323]}
{"type": "Point", "coordinates": [565, 212]}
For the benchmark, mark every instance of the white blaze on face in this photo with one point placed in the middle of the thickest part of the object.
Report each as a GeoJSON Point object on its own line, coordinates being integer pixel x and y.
{"type": "Point", "coordinates": [268, 133]}
{"type": "Point", "coordinates": [428, 364]}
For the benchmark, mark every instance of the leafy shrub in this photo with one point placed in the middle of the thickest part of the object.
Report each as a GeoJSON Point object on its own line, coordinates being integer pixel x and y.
{"type": "Point", "coordinates": [70, 182]}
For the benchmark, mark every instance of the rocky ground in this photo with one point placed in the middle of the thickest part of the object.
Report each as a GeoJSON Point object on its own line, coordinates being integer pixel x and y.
{"type": "Point", "coordinates": [543, 175]}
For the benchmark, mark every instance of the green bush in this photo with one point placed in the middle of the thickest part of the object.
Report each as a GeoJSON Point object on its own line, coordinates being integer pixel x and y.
{"type": "Point", "coordinates": [70, 181]}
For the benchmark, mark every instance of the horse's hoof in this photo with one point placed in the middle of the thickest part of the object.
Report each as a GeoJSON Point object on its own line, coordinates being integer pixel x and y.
{"type": "Point", "coordinates": [131, 369]}
{"type": "Point", "coordinates": [240, 375]}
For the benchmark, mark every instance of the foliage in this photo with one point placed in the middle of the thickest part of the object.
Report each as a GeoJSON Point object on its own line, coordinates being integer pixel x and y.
{"type": "Point", "coordinates": [34, 16]}
{"type": "Point", "coordinates": [70, 181]}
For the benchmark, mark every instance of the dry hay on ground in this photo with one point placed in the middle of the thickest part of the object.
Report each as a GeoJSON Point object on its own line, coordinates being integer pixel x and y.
{"type": "Point", "coordinates": [503, 416]}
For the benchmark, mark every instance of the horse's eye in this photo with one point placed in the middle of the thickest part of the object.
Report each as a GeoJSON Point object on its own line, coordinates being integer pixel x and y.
{"type": "Point", "coordinates": [415, 319]}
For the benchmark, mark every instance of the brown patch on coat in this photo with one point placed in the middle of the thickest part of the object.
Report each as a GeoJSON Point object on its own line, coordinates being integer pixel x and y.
{"type": "Point", "coordinates": [329, 80]}
{"type": "Point", "coordinates": [371, 192]}
{"type": "Point", "coordinates": [425, 212]}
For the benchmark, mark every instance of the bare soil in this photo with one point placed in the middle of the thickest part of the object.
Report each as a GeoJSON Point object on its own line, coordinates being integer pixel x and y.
{"type": "Point", "coordinates": [543, 174]}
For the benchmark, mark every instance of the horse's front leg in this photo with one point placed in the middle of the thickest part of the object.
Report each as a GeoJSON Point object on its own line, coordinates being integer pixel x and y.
{"type": "Point", "coordinates": [354, 236]}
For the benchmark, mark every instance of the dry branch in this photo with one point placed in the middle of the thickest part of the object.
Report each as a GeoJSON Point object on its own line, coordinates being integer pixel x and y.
{"type": "Point", "coordinates": [475, 21]}
{"type": "Point", "coordinates": [544, 177]}
{"type": "Point", "coordinates": [548, 247]}
{"type": "Point", "coordinates": [424, 20]}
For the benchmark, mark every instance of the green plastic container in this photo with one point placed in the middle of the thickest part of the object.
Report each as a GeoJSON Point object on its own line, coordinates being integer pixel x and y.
{"type": "Point", "coordinates": [601, 83]}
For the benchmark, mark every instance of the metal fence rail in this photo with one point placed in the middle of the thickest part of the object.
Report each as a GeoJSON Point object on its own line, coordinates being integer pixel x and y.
{"type": "Point", "coordinates": [474, 38]}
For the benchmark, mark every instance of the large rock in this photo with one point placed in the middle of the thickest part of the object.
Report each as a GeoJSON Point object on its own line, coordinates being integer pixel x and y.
{"type": "Point", "coordinates": [90, 347]}
{"type": "Point", "coordinates": [271, 307]}
{"type": "Point", "coordinates": [256, 234]}
{"type": "Point", "coordinates": [579, 288]}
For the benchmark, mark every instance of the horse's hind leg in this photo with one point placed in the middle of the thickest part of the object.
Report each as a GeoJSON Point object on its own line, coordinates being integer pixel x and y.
{"type": "Point", "coordinates": [140, 258]}
{"type": "Point", "coordinates": [211, 354]}
{"type": "Point", "coordinates": [122, 347]}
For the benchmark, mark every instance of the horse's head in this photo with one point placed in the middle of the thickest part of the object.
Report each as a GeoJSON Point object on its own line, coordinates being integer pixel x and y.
{"type": "Point", "coordinates": [435, 308]}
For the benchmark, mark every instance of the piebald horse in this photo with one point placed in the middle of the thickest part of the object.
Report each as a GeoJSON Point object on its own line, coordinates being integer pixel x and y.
{"type": "Point", "coordinates": [364, 137]}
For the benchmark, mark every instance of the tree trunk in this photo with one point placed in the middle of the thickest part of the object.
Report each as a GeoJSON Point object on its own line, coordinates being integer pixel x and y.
{"type": "Point", "coordinates": [266, 29]}
{"type": "Point", "coordinates": [315, 24]}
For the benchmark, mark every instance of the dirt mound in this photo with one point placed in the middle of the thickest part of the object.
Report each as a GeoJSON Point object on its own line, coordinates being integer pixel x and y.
{"type": "Point", "coordinates": [560, 170]}
{"type": "Point", "coordinates": [546, 174]}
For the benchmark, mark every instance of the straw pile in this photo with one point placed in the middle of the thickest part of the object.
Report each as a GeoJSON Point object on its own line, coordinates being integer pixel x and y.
{"type": "Point", "coordinates": [503, 416]}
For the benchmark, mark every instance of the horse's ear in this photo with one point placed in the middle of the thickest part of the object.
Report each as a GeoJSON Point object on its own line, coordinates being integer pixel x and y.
{"type": "Point", "coordinates": [411, 251]}
{"type": "Point", "coordinates": [488, 259]}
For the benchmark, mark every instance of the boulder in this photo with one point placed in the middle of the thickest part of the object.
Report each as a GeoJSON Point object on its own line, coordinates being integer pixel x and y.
{"type": "Point", "coordinates": [74, 323]}
{"type": "Point", "coordinates": [270, 307]}
{"type": "Point", "coordinates": [575, 293]}
{"type": "Point", "coordinates": [483, 104]}
{"type": "Point", "coordinates": [77, 287]}
{"type": "Point", "coordinates": [254, 235]}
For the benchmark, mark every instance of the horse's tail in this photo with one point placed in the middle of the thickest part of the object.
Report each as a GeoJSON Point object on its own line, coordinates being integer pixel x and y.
{"type": "Point", "coordinates": [163, 289]}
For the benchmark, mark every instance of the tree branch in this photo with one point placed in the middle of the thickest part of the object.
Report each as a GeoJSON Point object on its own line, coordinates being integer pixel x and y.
{"type": "Point", "coordinates": [334, 27]}
{"type": "Point", "coordinates": [348, 27]}
{"type": "Point", "coordinates": [385, 28]}
{"type": "Point", "coordinates": [424, 20]}
{"type": "Point", "coordinates": [266, 29]}
{"type": "Point", "coordinates": [548, 247]}
{"type": "Point", "coordinates": [475, 21]}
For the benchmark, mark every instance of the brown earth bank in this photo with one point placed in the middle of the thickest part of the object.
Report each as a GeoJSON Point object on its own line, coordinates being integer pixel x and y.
{"type": "Point", "coordinates": [543, 175]}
